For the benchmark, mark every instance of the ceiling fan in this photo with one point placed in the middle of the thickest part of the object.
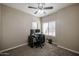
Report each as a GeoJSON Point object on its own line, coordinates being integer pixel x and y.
{"type": "Point", "coordinates": [40, 7]}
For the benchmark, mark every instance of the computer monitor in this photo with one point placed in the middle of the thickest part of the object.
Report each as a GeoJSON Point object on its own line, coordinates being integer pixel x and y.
{"type": "Point", "coordinates": [37, 30]}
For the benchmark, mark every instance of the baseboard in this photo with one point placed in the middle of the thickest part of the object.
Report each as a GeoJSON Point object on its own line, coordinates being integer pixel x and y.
{"type": "Point", "coordinates": [12, 48]}
{"type": "Point", "coordinates": [54, 43]}
{"type": "Point", "coordinates": [68, 49]}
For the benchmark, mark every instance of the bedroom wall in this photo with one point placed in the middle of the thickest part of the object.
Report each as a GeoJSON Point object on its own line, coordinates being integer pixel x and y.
{"type": "Point", "coordinates": [0, 28]}
{"type": "Point", "coordinates": [16, 27]}
{"type": "Point", "coordinates": [67, 26]}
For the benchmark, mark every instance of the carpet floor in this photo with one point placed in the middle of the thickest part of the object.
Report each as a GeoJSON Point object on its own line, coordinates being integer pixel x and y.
{"type": "Point", "coordinates": [47, 50]}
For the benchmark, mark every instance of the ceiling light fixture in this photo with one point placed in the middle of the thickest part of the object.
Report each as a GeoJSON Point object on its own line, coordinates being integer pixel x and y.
{"type": "Point", "coordinates": [41, 8]}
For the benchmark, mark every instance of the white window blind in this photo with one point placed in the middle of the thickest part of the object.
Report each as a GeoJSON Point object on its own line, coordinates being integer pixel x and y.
{"type": "Point", "coordinates": [34, 25]}
{"type": "Point", "coordinates": [49, 28]}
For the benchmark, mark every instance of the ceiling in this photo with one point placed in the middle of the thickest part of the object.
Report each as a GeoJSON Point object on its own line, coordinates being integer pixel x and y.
{"type": "Point", "coordinates": [24, 7]}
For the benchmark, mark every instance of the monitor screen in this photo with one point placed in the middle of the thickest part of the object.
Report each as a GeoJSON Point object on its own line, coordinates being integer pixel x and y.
{"type": "Point", "coordinates": [37, 30]}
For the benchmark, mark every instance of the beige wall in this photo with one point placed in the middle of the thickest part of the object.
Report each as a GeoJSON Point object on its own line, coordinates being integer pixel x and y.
{"type": "Point", "coordinates": [16, 27]}
{"type": "Point", "coordinates": [0, 28]}
{"type": "Point", "coordinates": [67, 26]}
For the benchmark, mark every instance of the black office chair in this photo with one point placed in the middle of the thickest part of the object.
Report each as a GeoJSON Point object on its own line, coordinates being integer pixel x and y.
{"type": "Point", "coordinates": [35, 39]}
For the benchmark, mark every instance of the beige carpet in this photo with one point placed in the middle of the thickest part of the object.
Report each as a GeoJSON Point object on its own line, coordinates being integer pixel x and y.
{"type": "Point", "coordinates": [47, 50]}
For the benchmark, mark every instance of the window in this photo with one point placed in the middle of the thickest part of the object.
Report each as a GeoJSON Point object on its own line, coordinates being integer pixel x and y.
{"type": "Point", "coordinates": [52, 28]}
{"type": "Point", "coordinates": [34, 25]}
{"type": "Point", "coordinates": [45, 28]}
{"type": "Point", "coordinates": [49, 28]}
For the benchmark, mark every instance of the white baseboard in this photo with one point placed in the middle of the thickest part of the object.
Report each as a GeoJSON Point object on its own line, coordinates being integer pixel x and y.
{"type": "Point", "coordinates": [54, 43]}
{"type": "Point", "coordinates": [68, 49]}
{"type": "Point", "coordinates": [13, 47]}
